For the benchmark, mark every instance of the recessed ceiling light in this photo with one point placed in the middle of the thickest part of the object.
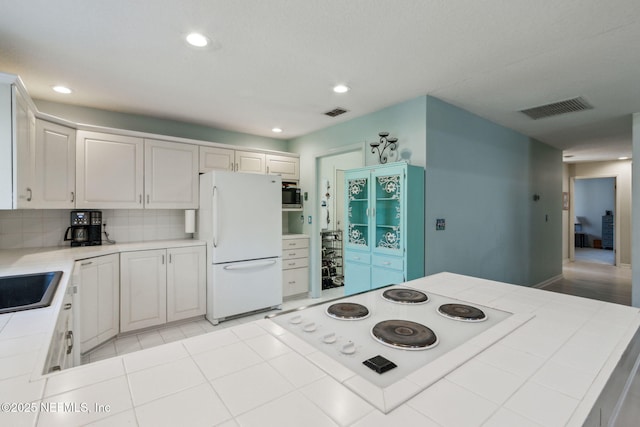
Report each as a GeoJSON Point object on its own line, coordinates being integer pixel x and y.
{"type": "Point", "coordinates": [623, 158]}
{"type": "Point", "coordinates": [341, 88]}
{"type": "Point", "coordinates": [197, 40]}
{"type": "Point", "coordinates": [62, 89]}
{"type": "Point", "coordinates": [276, 130]}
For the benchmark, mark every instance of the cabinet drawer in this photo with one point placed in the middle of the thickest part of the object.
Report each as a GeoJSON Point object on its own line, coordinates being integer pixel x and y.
{"type": "Point", "coordinates": [295, 253]}
{"type": "Point", "coordinates": [388, 262]}
{"type": "Point", "coordinates": [294, 243]}
{"type": "Point", "coordinates": [352, 256]}
{"type": "Point", "coordinates": [295, 281]}
{"type": "Point", "coordinates": [295, 263]}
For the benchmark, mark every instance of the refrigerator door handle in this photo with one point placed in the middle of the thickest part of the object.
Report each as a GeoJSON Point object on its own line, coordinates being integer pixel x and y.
{"type": "Point", "coordinates": [247, 266]}
{"type": "Point", "coordinates": [215, 219]}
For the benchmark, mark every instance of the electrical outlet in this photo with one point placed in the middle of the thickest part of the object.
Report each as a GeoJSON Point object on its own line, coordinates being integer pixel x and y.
{"type": "Point", "coordinates": [309, 219]}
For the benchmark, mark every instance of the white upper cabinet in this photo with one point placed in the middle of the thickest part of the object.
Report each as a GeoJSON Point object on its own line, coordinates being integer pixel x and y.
{"type": "Point", "coordinates": [25, 127]}
{"type": "Point", "coordinates": [215, 158]}
{"type": "Point", "coordinates": [109, 171]}
{"type": "Point", "coordinates": [170, 175]}
{"type": "Point", "coordinates": [287, 167]}
{"type": "Point", "coordinates": [250, 162]}
{"type": "Point", "coordinates": [55, 166]}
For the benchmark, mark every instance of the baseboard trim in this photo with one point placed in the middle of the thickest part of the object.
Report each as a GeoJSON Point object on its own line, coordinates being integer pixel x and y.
{"type": "Point", "coordinates": [547, 282]}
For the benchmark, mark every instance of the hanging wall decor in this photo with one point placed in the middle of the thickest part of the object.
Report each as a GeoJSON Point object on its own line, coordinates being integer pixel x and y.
{"type": "Point", "coordinates": [385, 142]}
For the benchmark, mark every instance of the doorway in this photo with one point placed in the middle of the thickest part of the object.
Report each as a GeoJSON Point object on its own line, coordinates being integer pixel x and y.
{"type": "Point", "coordinates": [594, 220]}
{"type": "Point", "coordinates": [330, 201]}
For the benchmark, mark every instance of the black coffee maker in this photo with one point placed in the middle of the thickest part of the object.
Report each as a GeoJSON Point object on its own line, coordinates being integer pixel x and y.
{"type": "Point", "coordinates": [85, 229]}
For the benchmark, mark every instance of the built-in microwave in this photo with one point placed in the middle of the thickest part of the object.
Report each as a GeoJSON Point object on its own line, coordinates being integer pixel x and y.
{"type": "Point", "coordinates": [291, 197]}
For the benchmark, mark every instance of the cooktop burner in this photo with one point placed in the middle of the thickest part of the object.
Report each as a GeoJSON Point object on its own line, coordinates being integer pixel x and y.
{"type": "Point", "coordinates": [463, 312]}
{"type": "Point", "coordinates": [405, 296]}
{"type": "Point", "coordinates": [348, 311]}
{"type": "Point", "coordinates": [404, 334]}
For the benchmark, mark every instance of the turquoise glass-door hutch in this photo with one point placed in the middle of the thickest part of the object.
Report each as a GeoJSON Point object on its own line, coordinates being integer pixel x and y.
{"type": "Point", "coordinates": [384, 224]}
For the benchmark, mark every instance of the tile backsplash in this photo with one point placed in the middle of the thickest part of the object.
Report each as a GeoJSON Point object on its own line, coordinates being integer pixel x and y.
{"type": "Point", "coordinates": [39, 228]}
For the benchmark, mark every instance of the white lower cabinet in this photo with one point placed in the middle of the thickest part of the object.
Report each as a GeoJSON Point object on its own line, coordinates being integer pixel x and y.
{"type": "Point", "coordinates": [61, 349]}
{"type": "Point", "coordinates": [295, 266]}
{"type": "Point", "coordinates": [99, 291]}
{"type": "Point", "coordinates": [161, 285]}
{"type": "Point", "coordinates": [186, 283]}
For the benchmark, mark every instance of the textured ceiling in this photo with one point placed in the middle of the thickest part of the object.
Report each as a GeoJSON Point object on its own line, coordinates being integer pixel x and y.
{"type": "Point", "coordinates": [273, 63]}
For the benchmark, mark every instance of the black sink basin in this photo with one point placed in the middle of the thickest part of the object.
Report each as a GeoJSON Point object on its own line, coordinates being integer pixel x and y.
{"type": "Point", "coordinates": [28, 291]}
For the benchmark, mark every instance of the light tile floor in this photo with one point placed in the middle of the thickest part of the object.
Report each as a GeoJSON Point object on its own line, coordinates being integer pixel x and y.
{"type": "Point", "coordinates": [162, 335]}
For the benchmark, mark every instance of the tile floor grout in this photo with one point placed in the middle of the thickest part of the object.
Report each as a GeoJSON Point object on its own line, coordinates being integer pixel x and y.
{"type": "Point", "coordinates": [154, 337]}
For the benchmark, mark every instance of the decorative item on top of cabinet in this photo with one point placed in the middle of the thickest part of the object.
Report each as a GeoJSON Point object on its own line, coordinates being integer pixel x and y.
{"type": "Point", "coordinates": [295, 266]}
{"type": "Point", "coordinates": [332, 259]}
{"type": "Point", "coordinates": [381, 203]}
{"type": "Point", "coordinates": [161, 285]}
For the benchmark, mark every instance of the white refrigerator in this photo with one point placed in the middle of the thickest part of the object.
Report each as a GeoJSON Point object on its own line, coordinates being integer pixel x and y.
{"type": "Point", "coordinates": [240, 218]}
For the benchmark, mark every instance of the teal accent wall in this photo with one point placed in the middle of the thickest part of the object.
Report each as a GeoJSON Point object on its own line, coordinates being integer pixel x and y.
{"type": "Point", "coordinates": [140, 123]}
{"type": "Point", "coordinates": [481, 178]}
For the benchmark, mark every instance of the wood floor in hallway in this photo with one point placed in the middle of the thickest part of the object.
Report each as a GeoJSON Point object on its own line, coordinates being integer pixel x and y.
{"type": "Point", "coordinates": [596, 281]}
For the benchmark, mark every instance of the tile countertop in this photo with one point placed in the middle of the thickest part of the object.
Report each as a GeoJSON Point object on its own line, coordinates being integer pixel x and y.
{"type": "Point", "coordinates": [548, 372]}
{"type": "Point", "coordinates": [295, 236]}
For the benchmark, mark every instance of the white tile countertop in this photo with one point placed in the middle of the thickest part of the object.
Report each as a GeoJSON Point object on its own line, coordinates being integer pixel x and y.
{"type": "Point", "coordinates": [547, 372]}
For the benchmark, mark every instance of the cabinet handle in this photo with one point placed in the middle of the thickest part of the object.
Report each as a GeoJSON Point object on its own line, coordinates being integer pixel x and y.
{"type": "Point", "coordinates": [67, 306]}
{"type": "Point", "coordinates": [87, 263]}
{"type": "Point", "coordinates": [69, 339]}
{"type": "Point", "coordinates": [293, 244]}
{"type": "Point", "coordinates": [163, 259]}
{"type": "Point", "coordinates": [140, 199]}
{"type": "Point", "coordinates": [367, 212]}
{"type": "Point", "coordinates": [147, 199]}
{"type": "Point", "coordinates": [293, 282]}
{"type": "Point", "coordinates": [292, 254]}
{"type": "Point", "coordinates": [267, 169]}
{"type": "Point", "coordinates": [386, 263]}
{"type": "Point", "coordinates": [291, 264]}
{"type": "Point", "coordinates": [169, 258]}
{"type": "Point", "coordinates": [73, 197]}
{"type": "Point", "coordinates": [30, 195]}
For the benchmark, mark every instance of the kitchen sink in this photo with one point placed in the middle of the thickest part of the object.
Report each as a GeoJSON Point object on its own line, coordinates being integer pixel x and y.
{"type": "Point", "coordinates": [28, 291]}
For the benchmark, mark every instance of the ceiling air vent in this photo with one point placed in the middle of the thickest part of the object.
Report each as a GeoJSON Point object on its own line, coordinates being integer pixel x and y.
{"type": "Point", "coordinates": [335, 112]}
{"type": "Point", "coordinates": [557, 108]}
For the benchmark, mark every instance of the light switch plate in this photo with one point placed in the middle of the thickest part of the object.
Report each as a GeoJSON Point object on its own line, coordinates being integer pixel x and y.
{"type": "Point", "coordinates": [440, 224]}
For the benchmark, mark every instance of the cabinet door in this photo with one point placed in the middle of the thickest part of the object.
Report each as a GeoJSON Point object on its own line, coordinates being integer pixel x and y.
{"type": "Point", "coordinates": [357, 276]}
{"type": "Point", "coordinates": [388, 195]}
{"type": "Point", "coordinates": [248, 161]}
{"type": "Point", "coordinates": [99, 300]}
{"type": "Point", "coordinates": [25, 123]}
{"type": "Point", "coordinates": [55, 166]}
{"type": "Point", "coordinates": [186, 283]}
{"type": "Point", "coordinates": [143, 289]}
{"type": "Point", "coordinates": [214, 158]}
{"type": "Point", "coordinates": [287, 167]}
{"type": "Point", "coordinates": [88, 290]}
{"type": "Point", "coordinates": [170, 175]}
{"type": "Point", "coordinates": [358, 210]}
{"type": "Point", "coordinates": [108, 297]}
{"type": "Point", "coordinates": [109, 171]}
{"type": "Point", "coordinates": [295, 281]}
